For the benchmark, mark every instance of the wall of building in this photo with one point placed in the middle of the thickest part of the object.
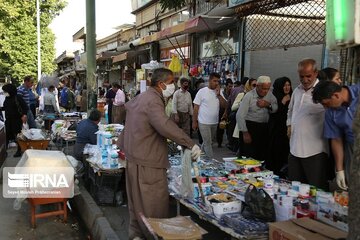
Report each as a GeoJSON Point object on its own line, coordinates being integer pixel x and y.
{"type": "Point", "coordinates": [278, 62]}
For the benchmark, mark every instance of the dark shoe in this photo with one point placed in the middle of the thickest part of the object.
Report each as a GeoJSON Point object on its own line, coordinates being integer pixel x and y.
{"type": "Point", "coordinates": [17, 154]}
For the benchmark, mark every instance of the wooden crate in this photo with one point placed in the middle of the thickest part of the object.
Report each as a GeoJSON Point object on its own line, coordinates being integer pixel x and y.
{"type": "Point", "coordinates": [33, 144]}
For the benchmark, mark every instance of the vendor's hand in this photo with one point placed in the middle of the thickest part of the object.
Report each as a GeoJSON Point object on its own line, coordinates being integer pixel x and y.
{"type": "Point", "coordinates": [261, 103]}
{"type": "Point", "coordinates": [195, 152]}
{"type": "Point", "coordinates": [289, 131]}
{"type": "Point", "coordinates": [24, 118]}
{"type": "Point", "coordinates": [195, 125]}
{"type": "Point", "coordinates": [340, 180]}
{"type": "Point", "coordinates": [247, 137]}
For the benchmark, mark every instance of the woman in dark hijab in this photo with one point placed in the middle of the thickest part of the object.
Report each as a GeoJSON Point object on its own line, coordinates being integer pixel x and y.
{"type": "Point", "coordinates": [15, 113]}
{"type": "Point", "coordinates": [279, 142]}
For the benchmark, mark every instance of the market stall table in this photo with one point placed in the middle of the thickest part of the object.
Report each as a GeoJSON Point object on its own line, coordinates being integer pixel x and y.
{"type": "Point", "coordinates": [214, 221]}
{"type": "Point", "coordinates": [104, 184]}
{"type": "Point", "coordinates": [233, 177]}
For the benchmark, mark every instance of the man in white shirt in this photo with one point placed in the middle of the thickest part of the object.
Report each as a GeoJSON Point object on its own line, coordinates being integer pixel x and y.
{"type": "Point", "coordinates": [118, 109]}
{"type": "Point", "coordinates": [182, 107]}
{"type": "Point", "coordinates": [252, 118]}
{"type": "Point", "coordinates": [206, 112]}
{"type": "Point", "coordinates": [308, 157]}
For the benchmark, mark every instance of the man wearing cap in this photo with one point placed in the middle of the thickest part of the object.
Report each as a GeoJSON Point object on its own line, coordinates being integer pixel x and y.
{"type": "Point", "coordinates": [308, 157]}
{"type": "Point", "coordinates": [252, 118]}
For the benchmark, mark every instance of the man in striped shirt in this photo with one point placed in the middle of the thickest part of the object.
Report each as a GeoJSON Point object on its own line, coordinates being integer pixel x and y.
{"type": "Point", "coordinates": [24, 92]}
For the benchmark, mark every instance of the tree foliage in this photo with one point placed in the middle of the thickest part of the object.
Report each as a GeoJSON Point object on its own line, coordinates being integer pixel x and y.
{"type": "Point", "coordinates": [173, 4]}
{"type": "Point", "coordinates": [18, 37]}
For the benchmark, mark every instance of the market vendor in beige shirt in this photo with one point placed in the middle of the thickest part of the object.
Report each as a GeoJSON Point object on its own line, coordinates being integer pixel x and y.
{"type": "Point", "coordinates": [144, 141]}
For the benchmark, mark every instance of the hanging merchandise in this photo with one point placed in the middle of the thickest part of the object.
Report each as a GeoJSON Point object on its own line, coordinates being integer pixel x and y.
{"type": "Point", "coordinates": [175, 64]}
{"type": "Point", "coordinates": [224, 65]}
{"type": "Point", "coordinates": [152, 65]}
{"type": "Point", "coordinates": [194, 71]}
{"type": "Point", "coordinates": [185, 70]}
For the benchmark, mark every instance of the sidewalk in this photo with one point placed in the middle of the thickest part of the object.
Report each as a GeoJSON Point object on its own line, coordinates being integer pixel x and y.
{"type": "Point", "coordinates": [104, 222]}
{"type": "Point", "coordinates": [15, 224]}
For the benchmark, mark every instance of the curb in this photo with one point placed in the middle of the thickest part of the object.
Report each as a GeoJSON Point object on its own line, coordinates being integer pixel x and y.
{"type": "Point", "coordinates": [95, 222]}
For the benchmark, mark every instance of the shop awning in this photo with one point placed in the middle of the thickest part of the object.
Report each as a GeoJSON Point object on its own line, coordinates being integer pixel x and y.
{"type": "Point", "coordinates": [72, 73]}
{"type": "Point", "coordinates": [119, 58]}
{"type": "Point", "coordinates": [105, 55]}
{"type": "Point", "coordinates": [198, 24]}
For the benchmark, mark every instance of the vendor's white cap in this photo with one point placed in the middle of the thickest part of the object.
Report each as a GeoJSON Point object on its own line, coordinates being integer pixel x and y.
{"type": "Point", "coordinates": [263, 79]}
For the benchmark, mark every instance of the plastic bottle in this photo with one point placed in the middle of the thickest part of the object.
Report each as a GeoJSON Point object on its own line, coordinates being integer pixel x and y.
{"type": "Point", "coordinates": [104, 157]}
{"type": "Point", "coordinates": [114, 163]}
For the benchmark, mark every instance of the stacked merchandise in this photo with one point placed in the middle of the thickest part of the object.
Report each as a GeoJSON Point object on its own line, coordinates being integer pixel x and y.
{"type": "Point", "coordinates": [245, 226]}
{"type": "Point", "coordinates": [105, 155]}
{"type": "Point", "coordinates": [234, 176]}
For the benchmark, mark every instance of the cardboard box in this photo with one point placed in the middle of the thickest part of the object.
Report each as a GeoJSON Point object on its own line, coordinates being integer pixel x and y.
{"type": "Point", "coordinates": [222, 208]}
{"type": "Point", "coordinates": [303, 229]}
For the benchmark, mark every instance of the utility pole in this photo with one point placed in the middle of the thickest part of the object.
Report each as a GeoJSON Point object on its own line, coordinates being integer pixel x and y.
{"type": "Point", "coordinates": [91, 55]}
{"type": "Point", "coordinates": [38, 40]}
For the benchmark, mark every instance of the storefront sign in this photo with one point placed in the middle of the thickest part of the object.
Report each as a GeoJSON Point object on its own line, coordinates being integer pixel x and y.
{"type": "Point", "coordinates": [234, 3]}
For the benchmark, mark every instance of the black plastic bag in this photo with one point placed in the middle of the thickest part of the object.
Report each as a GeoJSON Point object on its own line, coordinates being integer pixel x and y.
{"type": "Point", "coordinates": [258, 204]}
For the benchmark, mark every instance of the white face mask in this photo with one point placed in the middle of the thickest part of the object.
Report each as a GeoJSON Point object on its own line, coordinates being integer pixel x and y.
{"type": "Point", "coordinates": [169, 90]}
{"type": "Point", "coordinates": [6, 94]}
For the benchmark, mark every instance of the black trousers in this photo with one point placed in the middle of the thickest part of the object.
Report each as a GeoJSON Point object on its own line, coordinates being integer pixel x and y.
{"type": "Point", "coordinates": [311, 170]}
{"type": "Point", "coordinates": [109, 114]}
{"type": "Point", "coordinates": [259, 135]}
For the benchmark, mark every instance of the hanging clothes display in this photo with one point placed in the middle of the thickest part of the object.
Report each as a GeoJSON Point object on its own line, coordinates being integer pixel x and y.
{"type": "Point", "coordinates": [226, 66]}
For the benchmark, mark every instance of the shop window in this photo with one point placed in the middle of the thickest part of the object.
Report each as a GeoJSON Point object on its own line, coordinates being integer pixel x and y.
{"type": "Point", "coordinates": [166, 54]}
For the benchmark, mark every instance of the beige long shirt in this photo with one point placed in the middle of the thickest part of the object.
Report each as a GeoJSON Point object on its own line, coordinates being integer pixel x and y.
{"type": "Point", "coordinates": [147, 129]}
{"type": "Point", "coordinates": [182, 102]}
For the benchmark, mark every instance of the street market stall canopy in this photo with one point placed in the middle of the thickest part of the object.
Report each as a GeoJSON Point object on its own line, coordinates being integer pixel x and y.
{"type": "Point", "coordinates": [198, 24]}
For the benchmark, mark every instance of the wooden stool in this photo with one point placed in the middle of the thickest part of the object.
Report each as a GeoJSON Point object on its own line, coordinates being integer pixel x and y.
{"type": "Point", "coordinates": [62, 208]}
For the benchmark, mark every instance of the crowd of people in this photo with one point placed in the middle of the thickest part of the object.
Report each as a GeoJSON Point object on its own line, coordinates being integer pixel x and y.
{"type": "Point", "coordinates": [64, 97]}
{"type": "Point", "coordinates": [302, 133]}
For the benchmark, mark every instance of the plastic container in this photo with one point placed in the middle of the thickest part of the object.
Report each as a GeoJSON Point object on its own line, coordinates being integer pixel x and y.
{"type": "Point", "coordinates": [114, 162]}
{"type": "Point", "coordinates": [304, 190]}
{"type": "Point", "coordinates": [295, 185]}
{"type": "Point", "coordinates": [222, 208]}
